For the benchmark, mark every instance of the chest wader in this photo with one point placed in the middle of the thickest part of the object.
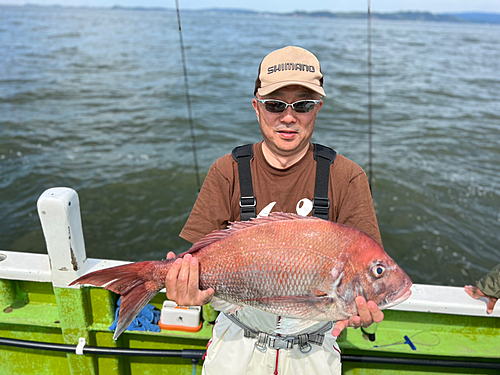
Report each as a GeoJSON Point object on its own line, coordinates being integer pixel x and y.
{"type": "Point", "coordinates": [324, 157]}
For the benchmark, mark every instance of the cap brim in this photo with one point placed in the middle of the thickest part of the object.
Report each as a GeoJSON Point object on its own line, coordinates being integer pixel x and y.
{"type": "Point", "coordinates": [275, 86]}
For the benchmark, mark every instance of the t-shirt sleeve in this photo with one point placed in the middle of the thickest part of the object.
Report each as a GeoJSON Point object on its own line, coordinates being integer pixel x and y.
{"type": "Point", "coordinates": [356, 209]}
{"type": "Point", "coordinates": [212, 209]}
{"type": "Point", "coordinates": [490, 284]}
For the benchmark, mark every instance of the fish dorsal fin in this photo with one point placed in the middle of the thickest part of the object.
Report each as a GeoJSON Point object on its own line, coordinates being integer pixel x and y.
{"type": "Point", "coordinates": [240, 225]}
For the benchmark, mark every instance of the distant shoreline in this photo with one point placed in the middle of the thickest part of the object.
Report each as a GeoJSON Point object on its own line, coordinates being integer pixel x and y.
{"type": "Point", "coordinates": [458, 17]}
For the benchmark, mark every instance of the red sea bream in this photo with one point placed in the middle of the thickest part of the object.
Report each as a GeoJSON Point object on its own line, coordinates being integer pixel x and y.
{"type": "Point", "coordinates": [303, 268]}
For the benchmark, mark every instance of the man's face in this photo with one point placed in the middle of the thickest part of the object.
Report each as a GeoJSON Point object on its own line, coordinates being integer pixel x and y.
{"type": "Point", "coordinates": [289, 132]}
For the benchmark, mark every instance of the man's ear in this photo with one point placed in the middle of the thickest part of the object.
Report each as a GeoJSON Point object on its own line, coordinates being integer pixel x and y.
{"type": "Point", "coordinates": [255, 106]}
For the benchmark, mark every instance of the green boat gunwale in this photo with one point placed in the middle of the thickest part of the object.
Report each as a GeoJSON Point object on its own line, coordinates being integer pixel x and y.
{"type": "Point", "coordinates": [38, 305]}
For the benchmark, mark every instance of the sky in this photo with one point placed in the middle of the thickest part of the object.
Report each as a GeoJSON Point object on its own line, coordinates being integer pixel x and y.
{"type": "Point", "coordinates": [434, 6]}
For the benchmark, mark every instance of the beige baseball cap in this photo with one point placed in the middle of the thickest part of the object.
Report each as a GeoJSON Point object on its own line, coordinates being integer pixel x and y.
{"type": "Point", "coordinates": [289, 66]}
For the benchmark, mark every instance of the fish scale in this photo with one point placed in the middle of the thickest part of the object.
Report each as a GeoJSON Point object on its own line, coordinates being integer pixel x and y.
{"type": "Point", "coordinates": [261, 279]}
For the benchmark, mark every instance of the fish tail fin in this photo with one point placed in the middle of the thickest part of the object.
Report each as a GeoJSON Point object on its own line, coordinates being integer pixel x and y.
{"type": "Point", "coordinates": [136, 284]}
{"type": "Point", "coordinates": [131, 305]}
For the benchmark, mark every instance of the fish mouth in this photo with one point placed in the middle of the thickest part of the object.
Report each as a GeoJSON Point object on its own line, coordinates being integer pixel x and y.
{"type": "Point", "coordinates": [403, 295]}
{"type": "Point", "coordinates": [397, 298]}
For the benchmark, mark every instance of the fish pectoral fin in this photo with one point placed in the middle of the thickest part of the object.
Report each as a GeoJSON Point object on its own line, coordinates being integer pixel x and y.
{"type": "Point", "coordinates": [324, 303]}
{"type": "Point", "coordinates": [224, 306]}
{"type": "Point", "coordinates": [290, 326]}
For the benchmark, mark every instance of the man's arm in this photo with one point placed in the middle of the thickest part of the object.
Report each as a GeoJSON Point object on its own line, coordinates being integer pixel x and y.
{"type": "Point", "coordinates": [489, 287]}
{"type": "Point", "coordinates": [210, 212]}
{"type": "Point", "coordinates": [212, 209]}
{"type": "Point", "coordinates": [356, 209]}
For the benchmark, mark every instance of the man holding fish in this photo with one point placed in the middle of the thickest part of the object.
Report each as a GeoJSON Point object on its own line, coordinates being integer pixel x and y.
{"type": "Point", "coordinates": [287, 99]}
{"type": "Point", "coordinates": [280, 279]}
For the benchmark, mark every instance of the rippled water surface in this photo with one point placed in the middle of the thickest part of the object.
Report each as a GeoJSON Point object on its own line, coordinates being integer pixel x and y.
{"type": "Point", "coordinates": [94, 99]}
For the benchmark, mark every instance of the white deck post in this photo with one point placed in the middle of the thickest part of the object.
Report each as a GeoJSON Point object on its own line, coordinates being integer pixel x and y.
{"type": "Point", "coordinates": [59, 211]}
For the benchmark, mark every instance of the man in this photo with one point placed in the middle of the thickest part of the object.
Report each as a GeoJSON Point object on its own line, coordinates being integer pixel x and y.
{"type": "Point", "coordinates": [287, 99]}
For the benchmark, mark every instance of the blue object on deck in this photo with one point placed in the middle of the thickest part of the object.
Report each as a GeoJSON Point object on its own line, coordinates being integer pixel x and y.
{"type": "Point", "coordinates": [146, 320]}
{"type": "Point", "coordinates": [408, 341]}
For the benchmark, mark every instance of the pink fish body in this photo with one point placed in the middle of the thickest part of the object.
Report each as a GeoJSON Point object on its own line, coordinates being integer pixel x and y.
{"type": "Point", "coordinates": [303, 268]}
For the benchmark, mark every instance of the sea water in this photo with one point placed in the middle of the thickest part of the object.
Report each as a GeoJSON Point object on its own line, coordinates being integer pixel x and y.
{"type": "Point", "coordinates": [95, 99]}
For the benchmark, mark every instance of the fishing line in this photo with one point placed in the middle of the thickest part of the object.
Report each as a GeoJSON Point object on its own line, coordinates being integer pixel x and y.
{"type": "Point", "coordinates": [188, 99]}
{"type": "Point", "coordinates": [369, 57]}
{"type": "Point", "coordinates": [411, 341]}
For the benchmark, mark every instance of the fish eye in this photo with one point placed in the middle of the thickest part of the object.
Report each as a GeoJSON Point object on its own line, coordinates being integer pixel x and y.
{"type": "Point", "coordinates": [378, 270]}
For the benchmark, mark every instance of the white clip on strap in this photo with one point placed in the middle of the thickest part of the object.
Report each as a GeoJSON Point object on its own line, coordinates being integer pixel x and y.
{"type": "Point", "coordinates": [81, 344]}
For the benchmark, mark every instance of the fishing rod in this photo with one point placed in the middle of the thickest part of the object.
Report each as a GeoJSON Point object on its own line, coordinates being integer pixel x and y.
{"type": "Point", "coordinates": [369, 57]}
{"type": "Point", "coordinates": [188, 99]}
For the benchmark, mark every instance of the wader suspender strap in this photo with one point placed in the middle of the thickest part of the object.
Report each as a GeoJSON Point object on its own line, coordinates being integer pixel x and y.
{"type": "Point", "coordinates": [248, 204]}
{"type": "Point", "coordinates": [324, 157]}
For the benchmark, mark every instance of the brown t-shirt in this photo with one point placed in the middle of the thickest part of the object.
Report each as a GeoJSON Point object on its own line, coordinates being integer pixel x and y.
{"type": "Point", "coordinates": [218, 202]}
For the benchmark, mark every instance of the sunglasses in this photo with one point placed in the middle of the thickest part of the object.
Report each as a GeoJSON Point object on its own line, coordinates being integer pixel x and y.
{"type": "Point", "coordinates": [301, 106]}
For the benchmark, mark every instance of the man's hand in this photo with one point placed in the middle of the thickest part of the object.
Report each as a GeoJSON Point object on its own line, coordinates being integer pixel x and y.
{"type": "Point", "coordinates": [183, 284]}
{"type": "Point", "coordinates": [368, 314]}
{"type": "Point", "coordinates": [476, 293]}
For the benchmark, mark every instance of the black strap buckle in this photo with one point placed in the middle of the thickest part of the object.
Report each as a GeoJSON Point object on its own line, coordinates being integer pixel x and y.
{"type": "Point", "coordinates": [321, 207]}
{"type": "Point", "coordinates": [321, 202]}
{"type": "Point", "coordinates": [248, 202]}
